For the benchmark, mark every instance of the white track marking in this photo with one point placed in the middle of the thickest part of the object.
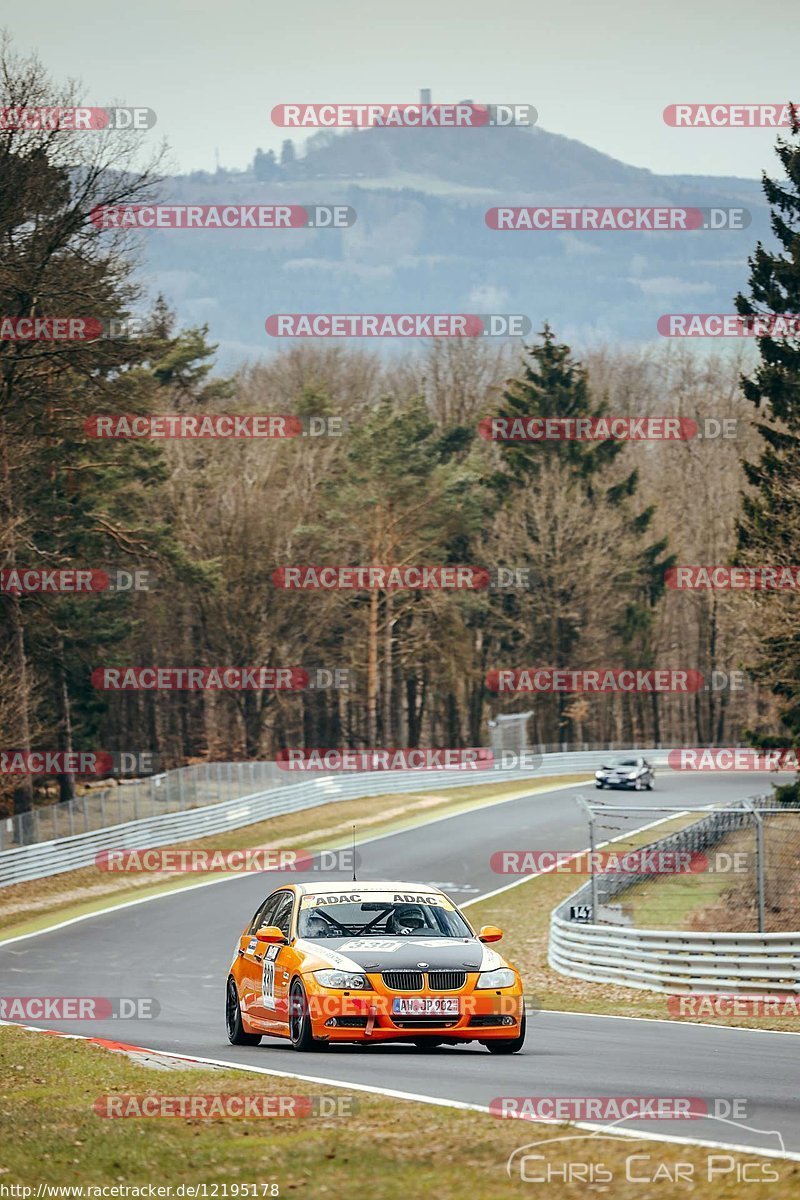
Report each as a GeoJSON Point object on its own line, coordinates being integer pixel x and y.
{"type": "Point", "coordinates": [439, 1102]}
{"type": "Point", "coordinates": [378, 837]}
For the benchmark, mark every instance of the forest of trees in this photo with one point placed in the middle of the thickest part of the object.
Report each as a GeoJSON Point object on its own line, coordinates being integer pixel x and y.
{"type": "Point", "coordinates": [409, 481]}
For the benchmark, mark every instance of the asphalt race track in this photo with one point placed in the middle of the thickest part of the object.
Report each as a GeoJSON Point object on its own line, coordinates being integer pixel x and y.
{"type": "Point", "coordinates": [177, 949]}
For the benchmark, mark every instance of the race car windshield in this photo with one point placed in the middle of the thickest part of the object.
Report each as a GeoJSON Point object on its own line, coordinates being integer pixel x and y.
{"type": "Point", "coordinates": [378, 919]}
{"type": "Point", "coordinates": [622, 762]}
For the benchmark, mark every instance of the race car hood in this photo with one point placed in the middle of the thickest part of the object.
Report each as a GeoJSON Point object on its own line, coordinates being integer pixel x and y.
{"type": "Point", "coordinates": [373, 955]}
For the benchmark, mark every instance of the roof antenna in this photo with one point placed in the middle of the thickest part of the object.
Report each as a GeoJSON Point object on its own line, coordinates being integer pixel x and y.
{"type": "Point", "coordinates": [354, 855]}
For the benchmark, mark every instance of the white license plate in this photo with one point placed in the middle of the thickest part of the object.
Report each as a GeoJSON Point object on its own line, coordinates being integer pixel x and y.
{"type": "Point", "coordinates": [425, 1006]}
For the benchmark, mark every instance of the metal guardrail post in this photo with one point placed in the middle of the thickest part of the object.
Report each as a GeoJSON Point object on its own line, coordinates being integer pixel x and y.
{"type": "Point", "coordinates": [760, 866]}
{"type": "Point", "coordinates": [586, 806]}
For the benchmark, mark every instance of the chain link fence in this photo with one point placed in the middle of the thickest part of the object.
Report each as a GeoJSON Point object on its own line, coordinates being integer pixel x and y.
{"type": "Point", "coordinates": [212, 783]}
{"type": "Point", "coordinates": [737, 869]}
{"type": "Point", "coordinates": [171, 791]}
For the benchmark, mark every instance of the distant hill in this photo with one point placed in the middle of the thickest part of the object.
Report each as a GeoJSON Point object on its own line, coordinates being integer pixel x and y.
{"type": "Point", "coordinates": [420, 242]}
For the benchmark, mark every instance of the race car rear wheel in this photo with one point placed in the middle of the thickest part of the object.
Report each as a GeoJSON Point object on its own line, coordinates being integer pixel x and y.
{"type": "Point", "coordinates": [507, 1045]}
{"type": "Point", "coordinates": [233, 1018]}
{"type": "Point", "coordinates": [300, 1031]}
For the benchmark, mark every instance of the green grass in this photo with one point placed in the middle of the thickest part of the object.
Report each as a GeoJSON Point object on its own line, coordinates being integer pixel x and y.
{"type": "Point", "coordinates": [523, 913]}
{"type": "Point", "coordinates": [29, 907]}
{"type": "Point", "coordinates": [386, 1149]}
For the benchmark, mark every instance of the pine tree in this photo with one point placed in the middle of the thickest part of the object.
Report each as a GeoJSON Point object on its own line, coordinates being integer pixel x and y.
{"type": "Point", "coordinates": [554, 384]}
{"type": "Point", "coordinates": [769, 529]}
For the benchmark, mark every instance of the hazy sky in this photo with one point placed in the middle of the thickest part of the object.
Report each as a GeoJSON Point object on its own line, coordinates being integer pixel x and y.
{"type": "Point", "coordinates": [598, 72]}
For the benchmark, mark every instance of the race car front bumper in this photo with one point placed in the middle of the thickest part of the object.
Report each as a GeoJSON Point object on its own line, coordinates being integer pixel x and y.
{"type": "Point", "coordinates": [370, 1016]}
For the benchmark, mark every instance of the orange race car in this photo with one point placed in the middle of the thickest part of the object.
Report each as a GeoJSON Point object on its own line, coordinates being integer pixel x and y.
{"type": "Point", "coordinates": [369, 962]}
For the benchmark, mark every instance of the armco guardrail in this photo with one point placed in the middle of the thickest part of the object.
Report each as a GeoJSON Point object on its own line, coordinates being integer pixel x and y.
{"type": "Point", "coordinates": [669, 961]}
{"type": "Point", "coordinates": [195, 786]}
{"type": "Point", "coordinates": [664, 960]}
{"type": "Point", "coordinates": [79, 850]}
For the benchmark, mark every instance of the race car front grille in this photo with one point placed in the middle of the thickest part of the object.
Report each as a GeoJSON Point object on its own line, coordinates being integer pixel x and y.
{"type": "Point", "coordinates": [403, 981]}
{"type": "Point", "coordinates": [446, 981]}
{"type": "Point", "coordinates": [429, 1022]}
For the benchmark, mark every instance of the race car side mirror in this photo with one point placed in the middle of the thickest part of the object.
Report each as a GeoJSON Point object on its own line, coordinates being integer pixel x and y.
{"type": "Point", "coordinates": [272, 936]}
{"type": "Point", "coordinates": [490, 933]}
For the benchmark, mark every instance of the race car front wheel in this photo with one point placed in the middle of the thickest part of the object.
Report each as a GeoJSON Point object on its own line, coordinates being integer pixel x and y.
{"type": "Point", "coordinates": [507, 1045]}
{"type": "Point", "coordinates": [233, 1019]}
{"type": "Point", "coordinates": [300, 1031]}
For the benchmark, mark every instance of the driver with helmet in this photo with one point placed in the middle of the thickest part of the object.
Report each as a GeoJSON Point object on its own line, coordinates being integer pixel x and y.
{"type": "Point", "coordinates": [407, 919]}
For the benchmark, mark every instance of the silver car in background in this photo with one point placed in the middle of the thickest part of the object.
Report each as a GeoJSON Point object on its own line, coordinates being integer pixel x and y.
{"type": "Point", "coordinates": [628, 772]}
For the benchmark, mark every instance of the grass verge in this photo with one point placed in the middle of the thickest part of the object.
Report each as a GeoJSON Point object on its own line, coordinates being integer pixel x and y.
{"type": "Point", "coordinates": [28, 907]}
{"type": "Point", "coordinates": [523, 912]}
{"type": "Point", "coordinates": [387, 1148]}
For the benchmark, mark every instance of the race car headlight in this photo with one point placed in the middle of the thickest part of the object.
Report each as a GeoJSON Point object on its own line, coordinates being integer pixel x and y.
{"type": "Point", "coordinates": [632, 774]}
{"type": "Point", "coordinates": [344, 980]}
{"type": "Point", "coordinates": [502, 977]}
{"type": "Point", "coordinates": [599, 774]}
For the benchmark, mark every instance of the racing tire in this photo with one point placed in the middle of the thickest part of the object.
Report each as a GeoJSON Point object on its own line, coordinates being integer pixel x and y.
{"type": "Point", "coordinates": [638, 786]}
{"type": "Point", "coordinates": [507, 1045]}
{"type": "Point", "coordinates": [600, 785]}
{"type": "Point", "coordinates": [233, 1018]}
{"type": "Point", "coordinates": [300, 1031]}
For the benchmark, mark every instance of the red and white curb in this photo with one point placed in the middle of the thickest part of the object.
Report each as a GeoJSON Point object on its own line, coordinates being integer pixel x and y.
{"type": "Point", "coordinates": [167, 1060]}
